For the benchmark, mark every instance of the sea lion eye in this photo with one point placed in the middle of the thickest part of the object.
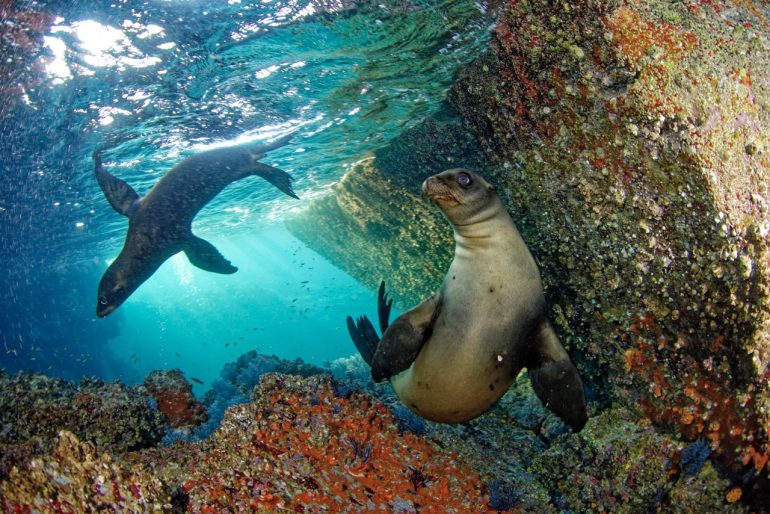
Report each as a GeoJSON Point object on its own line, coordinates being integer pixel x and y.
{"type": "Point", "coordinates": [103, 300]}
{"type": "Point", "coordinates": [464, 179]}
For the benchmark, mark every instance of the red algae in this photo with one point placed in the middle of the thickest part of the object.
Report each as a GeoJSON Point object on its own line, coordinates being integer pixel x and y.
{"type": "Point", "coordinates": [300, 447]}
{"type": "Point", "coordinates": [635, 36]}
{"type": "Point", "coordinates": [697, 399]}
{"type": "Point", "coordinates": [175, 399]}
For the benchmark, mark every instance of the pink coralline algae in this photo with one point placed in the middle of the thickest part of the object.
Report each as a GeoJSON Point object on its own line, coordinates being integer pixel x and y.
{"type": "Point", "coordinates": [175, 399]}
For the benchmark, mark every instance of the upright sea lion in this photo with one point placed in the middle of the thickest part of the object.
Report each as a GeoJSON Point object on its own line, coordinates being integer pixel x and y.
{"type": "Point", "coordinates": [453, 356]}
{"type": "Point", "coordinates": [159, 223]}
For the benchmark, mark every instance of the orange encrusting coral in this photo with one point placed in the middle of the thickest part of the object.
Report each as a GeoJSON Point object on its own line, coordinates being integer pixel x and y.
{"type": "Point", "coordinates": [316, 451]}
{"type": "Point", "coordinates": [706, 406]}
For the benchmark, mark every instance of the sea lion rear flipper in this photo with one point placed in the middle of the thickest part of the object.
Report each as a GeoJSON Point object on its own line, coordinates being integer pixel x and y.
{"type": "Point", "coordinates": [362, 331]}
{"type": "Point", "coordinates": [281, 141]}
{"type": "Point", "coordinates": [383, 307]}
{"type": "Point", "coordinates": [555, 379]}
{"type": "Point", "coordinates": [275, 176]}
{"type": "Point", "coordinates": [364, 337]}
{"type": "Point", "coordinates": [121, 196]}
{"type": "Point", "coordinates": [403, 339]}
{"type": "Point", "coordinates": [203, 255]}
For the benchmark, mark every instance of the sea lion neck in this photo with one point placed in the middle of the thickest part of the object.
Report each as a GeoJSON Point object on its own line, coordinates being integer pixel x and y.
{"type": "Point", "coordinates": [483, 226]}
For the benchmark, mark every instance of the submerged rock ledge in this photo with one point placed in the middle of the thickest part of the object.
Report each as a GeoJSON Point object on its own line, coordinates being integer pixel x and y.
{"type": "Point", "coordinates": [630, 141]}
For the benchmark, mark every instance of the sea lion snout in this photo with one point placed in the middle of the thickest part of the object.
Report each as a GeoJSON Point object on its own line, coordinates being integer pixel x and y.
{"type": "Point", "coordinates": [437, 189]}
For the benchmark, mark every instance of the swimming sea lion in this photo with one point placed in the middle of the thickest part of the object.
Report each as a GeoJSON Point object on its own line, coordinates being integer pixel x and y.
{"type": "Point", "coordinates": [453, 356]}
{"type": "Point", "coordinates": [159, 223]}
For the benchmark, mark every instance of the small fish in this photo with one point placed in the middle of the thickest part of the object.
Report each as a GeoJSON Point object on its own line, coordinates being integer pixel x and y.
{"type": "Point", "coordinates": [304, 282]}
{"type": "Point", "coordinates": [196, 380]}
{"type": "Point", "coordinates": [175, 353]}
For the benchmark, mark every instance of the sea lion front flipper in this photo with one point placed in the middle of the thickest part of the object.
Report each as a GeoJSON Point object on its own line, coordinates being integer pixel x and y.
{"type": "Point", "coordinates": [121, 196]}
{"type": "Point", "coordinates": [275, 176]}
{"type": "Point", "coordinates": [203, 255]}
{"type": "Point", "coordinates": [555, 379]}
{"type": "Point", "coordinates": [403, 339]}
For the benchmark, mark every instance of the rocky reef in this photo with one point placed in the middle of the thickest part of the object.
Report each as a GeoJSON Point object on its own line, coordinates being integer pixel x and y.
{"type": "Point", "coordinates": [174, 397]}
{"type": "Point", "coordinates": [109, 415]}
{"type": "Point", "coordinates": [629, 141]}
{"type": "Point", "coordinates": [632, 141]}
{"type": "Point", "coordinates": [238, 379]}
{"type": "Point", "coordinates": [312, 444]}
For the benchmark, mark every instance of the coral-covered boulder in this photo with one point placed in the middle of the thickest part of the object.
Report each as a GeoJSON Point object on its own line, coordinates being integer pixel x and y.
{"type": "Point", "coordinates": [629, 141]}
{"type": "Point", "coordinates": [34, 408]}
{"type": "Point", "coordinates": [300, 447]}
{"type": "Point", "coordinates": [310, 445]}
{"type": "Point", "coordinates": [617, 464]}
{"type": "Point", "coordinates": [175, 399]}
{"type": "Point", "coordinates": [75, 477]}
{"type": "Point", "coordinates": [632, 139]}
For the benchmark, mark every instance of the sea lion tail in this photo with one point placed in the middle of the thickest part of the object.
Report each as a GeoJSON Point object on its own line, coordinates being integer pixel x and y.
{"type": "Point", "coordinates": [362, 331]}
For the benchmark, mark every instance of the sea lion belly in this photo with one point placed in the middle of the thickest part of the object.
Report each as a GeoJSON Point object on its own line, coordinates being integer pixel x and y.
{"type": "Point", "coordinates": [452, 356]}
{"type": "Point", "coordinates": [474, 354]}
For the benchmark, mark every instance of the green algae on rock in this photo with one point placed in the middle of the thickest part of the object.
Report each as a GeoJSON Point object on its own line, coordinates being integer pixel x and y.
{"type": "Point", "coordinates": [376, 225]}
{"type": "Point", "coordinates": [375, 229]}
{"type": "Point", "coordinates": [618, 465]}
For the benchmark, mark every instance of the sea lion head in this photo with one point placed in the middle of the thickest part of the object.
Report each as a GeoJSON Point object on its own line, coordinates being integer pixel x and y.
{"type": "Point", "coordinates": [462, 195]}
{"type": "Point", "coordinates": [114, 289]}
{"type": "Point", "coordinates": [124, 276]}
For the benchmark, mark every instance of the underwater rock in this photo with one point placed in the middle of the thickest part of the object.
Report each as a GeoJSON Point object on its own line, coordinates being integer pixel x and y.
{"type": "Point", "coordinates": [620, 464]}
{"type": "Point", "coordinates": [300, 446]}
{"type": "Point", "coordinates": [239, 378]}
{"type": "Point", "coordinates": [377, 226]}
{"type": "Point", "coordinates": [630, 143]}
{"type": "Point", "coordinates": [34, 408]}
{"type": "Point", "coordinates": [438, 143]}
{"type": "Point", "coordinates": [175, 399]}
{"type": "Point", "coordinates": [376, 229]}
{"type": "Point", "coordinates": [75, 477]}
{"type": "Point", "coordinates": [622, 134]}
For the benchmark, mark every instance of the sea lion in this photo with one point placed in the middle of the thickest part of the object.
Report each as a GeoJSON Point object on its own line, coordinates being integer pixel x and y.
{"type": "Point", "coordinates": [453, 356]}
{"type": "Point", "coordinates": [159, 223]}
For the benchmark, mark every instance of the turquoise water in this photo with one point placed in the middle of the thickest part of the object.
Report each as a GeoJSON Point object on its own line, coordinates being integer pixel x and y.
{"type": "Point", "coordinates": [155, 81]}
{"type": "Point", "coordinates": [285, 300]}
